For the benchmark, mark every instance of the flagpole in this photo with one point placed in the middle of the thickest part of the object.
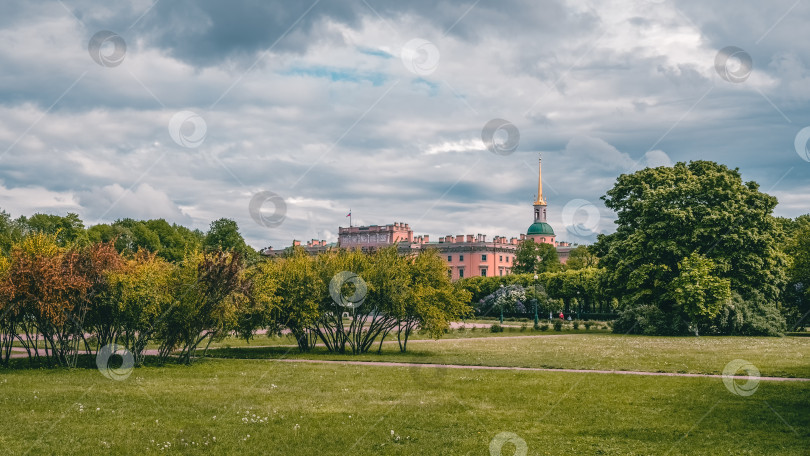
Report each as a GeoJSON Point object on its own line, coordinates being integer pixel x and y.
{"type": "Point", "coordinates": [350, 218]}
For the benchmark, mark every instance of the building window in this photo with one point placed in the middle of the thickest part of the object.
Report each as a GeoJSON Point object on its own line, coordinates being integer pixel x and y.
{"type": "Point", "coordinates": [501, 271]}
{"type": "Point", "coordinates": [483, 272]}
{"type": "Point", "coordinates": [500, 258]}
{"type": "Point", "coordinates": [460, 273]}
{"type": "Point", "coordinates": [507, 258]}
{"type": "Point", "coordinates": [461, 258]}
{"type": "Point", "coordinates": [483, 258]}
{"type": "Point", "coordinates": [449, 257]}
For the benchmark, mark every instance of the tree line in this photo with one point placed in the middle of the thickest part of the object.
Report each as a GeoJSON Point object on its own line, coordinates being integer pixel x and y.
{"type": "Point", "coordinates": [67, 291]}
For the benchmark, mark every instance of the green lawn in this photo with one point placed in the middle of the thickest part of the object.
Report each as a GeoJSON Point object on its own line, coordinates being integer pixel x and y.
{"type": "Point", "coordinates": [773, 356]}
{"type": "Point", "coordinates": [254, 406]}
{"type": "Point", "coordinates": [260, 407]}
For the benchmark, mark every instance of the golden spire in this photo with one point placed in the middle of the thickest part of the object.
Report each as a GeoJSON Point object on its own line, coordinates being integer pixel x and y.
{"type": "Point", "coordinates": [540, 199]}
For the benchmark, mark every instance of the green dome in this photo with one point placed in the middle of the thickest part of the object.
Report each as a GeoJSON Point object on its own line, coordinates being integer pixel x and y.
{"type": "Point", "coordinates": [540, 228]}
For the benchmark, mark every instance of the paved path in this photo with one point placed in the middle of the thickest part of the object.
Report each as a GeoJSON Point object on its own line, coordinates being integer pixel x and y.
{"type": "Point", "coordinates": [533, 369]}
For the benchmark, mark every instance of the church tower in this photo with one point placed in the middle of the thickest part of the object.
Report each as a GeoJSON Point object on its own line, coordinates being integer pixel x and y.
{"type": "Point", "coordinates": [540, 230]}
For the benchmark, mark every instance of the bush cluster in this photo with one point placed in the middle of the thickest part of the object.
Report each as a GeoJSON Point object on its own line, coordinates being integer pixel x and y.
{"type": "Point", "coordinates": [58, 301]}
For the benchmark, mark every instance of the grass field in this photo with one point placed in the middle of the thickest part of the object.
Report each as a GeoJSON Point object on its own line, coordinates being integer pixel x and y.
{"type": "Point", "coordinates": [776, 357]}
{"type": "Point", "coordinates": [244, 406]}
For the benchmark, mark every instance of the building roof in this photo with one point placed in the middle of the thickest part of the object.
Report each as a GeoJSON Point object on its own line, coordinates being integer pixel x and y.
{"type": "Point", "coordinates": [540, 228]}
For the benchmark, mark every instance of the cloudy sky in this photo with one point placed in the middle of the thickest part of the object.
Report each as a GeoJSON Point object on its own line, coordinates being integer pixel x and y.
{"type": "Point", "coordinates": [188, 110]}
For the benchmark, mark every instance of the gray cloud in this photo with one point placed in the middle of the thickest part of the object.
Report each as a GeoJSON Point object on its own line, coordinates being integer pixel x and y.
{"type": "Point", "coordinates": [330, 119]}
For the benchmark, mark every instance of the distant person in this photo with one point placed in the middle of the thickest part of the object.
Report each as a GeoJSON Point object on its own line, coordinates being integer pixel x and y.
{"type": "Point", "coordinates": [550, 316]}
{"type": "Point", "coordinates": [569, 318]}
{"type": "Point", "coordinates": [562, 317]}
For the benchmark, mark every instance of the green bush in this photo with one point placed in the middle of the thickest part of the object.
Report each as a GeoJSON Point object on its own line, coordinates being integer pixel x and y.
{"type": "Point", "coordinates": [544, 327]}
{"type": "Point", "coordinates": [576, 324]}
{"type": "Point", "coordinates": [752, 317]}
{"type": "Point", "coordinates": [522, 328]}
{"type": "Point", "coordinates": [650, 320]}
{"type": "Point", "coordinates": [755, 316]}
{"type": "Point", "coordinates": [557, 325]}
{"type": "Point", "coordinates": [587, 325]}
{"type": "Point", "coordinates": [496, 328]}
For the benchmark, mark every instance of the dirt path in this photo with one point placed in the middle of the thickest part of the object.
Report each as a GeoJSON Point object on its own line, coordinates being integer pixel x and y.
{"type": "Point", "coordinates": [533, 369]}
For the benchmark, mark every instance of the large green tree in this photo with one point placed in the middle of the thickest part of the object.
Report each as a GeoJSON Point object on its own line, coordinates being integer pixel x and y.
{"type": "Point", "coordinates": [432, 299]}
{"type": "Point", "coordinates": [797, 247]}
{"type": "Point", "coordinates": [534, 258]}
{"type": "Point", "coordinates": [224, 234]}
{"type": "Point", "coordinates": [581, 257]}
{"type": "Point", "coordinates": [666, 214]}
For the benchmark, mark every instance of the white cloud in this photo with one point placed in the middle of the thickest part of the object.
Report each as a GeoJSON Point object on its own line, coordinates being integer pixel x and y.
{"type": "Point", "coordinates": [141, 203]}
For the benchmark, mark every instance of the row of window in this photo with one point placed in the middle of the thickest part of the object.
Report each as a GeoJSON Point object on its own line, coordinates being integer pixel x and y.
{"type": "Point", "coordinates": [483, 272]}
{"type": "Point", "coordinates": [483, 258]}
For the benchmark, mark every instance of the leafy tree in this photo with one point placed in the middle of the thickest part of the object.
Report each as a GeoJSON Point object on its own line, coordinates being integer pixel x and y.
{"type": "Point", "coordinates": [351, 285]}
{"type": "Point", "coordinates": [138, 298]}
{"type": "Point", "coordinates": [385, 275]}
{"type": "Point", "coordinates": [176, 242]}
{"type": "Point", "coordinates": [666, 214]}
{"type": "Point", "coordinates": [431, 299]}
{"type": "Point", "coordinates": [68, 230]}
{"type": "Point", "coordinates": [224, 234]}
{"type": "Point", "coordinates": [137, 236]}
{"type": "Point", "coordinates": [45, 292]}
{"type": "Point", "coordinates": [95, 263]}
{"type": "Point", "coordinates": [533, 258]}
{"type": "Point", "coordinates": [10, 232]}
{"type": "Point", "coordinates": [9, 313]}
{"type": "Point", "coordinates": [581, 257]}
{"type": "Point", "coordinates": [171, 242]}
{"type": "Point", "coordinates": [300, 292]}
{"type": "Point", "coordinates": [262, 309]}
{"type": "Point", "coordinates": [122, 237]}
{"type": "Point", "coordinates": [207, 291]}
{"type": "Point", "coordinates": [797, 296]}
{"type": "Point", "coordinates": [697, 292]}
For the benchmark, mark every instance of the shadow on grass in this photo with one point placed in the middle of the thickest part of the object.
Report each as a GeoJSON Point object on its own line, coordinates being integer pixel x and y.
{"type": "Point", "coordinates": [85, 361]}
{"type": "Point", "coordinates": [316, 353]}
